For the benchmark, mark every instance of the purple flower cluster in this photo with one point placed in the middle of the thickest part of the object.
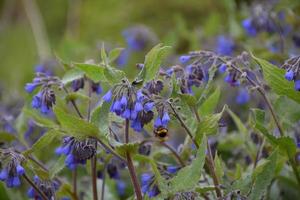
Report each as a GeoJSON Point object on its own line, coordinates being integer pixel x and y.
{"type": "Point", "coordinates": [45, 98]}
{"type": "Point", "coordinates": [131, 104]}
{"type": "Point", "coordinates": [77, 152]}
{"type": "Point", "coordinates": [11, 172]}
{"type": "Point", "coordinates": [292, 67]}
{"type": "Point", "coordinates": [46, 186]}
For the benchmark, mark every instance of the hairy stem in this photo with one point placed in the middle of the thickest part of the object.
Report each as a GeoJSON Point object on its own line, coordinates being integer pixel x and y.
{"type": "Point", "coordinates": [44, 197]}
{"type": "Point", "coordinates": [130, 165]}
{"type": "Point", "coordinates": [74, 181]}
{"type": "Point", "coordinates": [74, 104]}
{"type": "Point", "coordinates": [174, 153]}
{"type": "Point", "coordinates": [94, 173]}
{"type": "Point", "coordinates": [103, 182]}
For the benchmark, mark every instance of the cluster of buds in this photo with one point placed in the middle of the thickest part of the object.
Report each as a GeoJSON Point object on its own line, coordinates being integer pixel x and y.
{"type": "Point", "coordinates": [292, 67]}
{"type": "Point", "coordinates": [45, 98]}
{"type": "Point", "coordinates": [48, 187]}
{"type": "Point", "coordinates": [11, 168]}
{"type": "Point", "coordinates": [77, 151]}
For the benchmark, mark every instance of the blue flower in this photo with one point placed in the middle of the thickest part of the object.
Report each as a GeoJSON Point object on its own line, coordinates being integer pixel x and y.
{"type": "Point", "coordinates": [148, 186]}
{"type": "Point", "coordinates": [225, 45]}
{"type": "Point", "coordinates": [232, 80]}
{"type": "Point", "coordinates": [297, 85]}
{"type": "Point", "coordinates": [172, 169]}
{"type": "Point", "coordinates": [29, 87]}
{"type": "Point", "coordinates": [289, 75]}
{"type": "Point", "coordinates": [222, 68]}
{"type": "Point", "coordinates": [138, 106]}
{"type": "Point", "coordinates": [3, 174]}
{"type": "Point", "coordinates": [243, 97]}
{"type": "Point", "coordinates": [113, 171]}
{"type": "Point", "coordinates": [37, 101]}
{"type": "Point", "coordinates": [107, 97]}
{"type": "Point", "coordinates": [149, 106]}
{"type": "Point", "coordinates": [248, 26]}
{"type": "Point", "coordinates": [123, 101]}
{"type": "Point", "coordinates": [121, 187]}
{"type": "Point", "coordinates": [136, 125]}
{"type": "Point", "coordinates": [122, 60]}
{"type": "Point", "coordinates": [20, 170]}
{"type": "Point", "coordinates": [184, 59]}
{"type": "Point", "coordinates": [165, 119]}
{"type": "Point", "coordinates": [157, 122]}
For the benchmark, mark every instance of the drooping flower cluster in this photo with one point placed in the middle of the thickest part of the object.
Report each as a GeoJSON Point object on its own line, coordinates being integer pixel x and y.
{"type": "Point", "coordinates": [45, 98]}
{"type": "Point", "coordinates": [77, 151]}
{"type": "Point", "coordinates": [12, 168]}
{"type": "Point", "coordinates": [137, 38]}
{"type": "Point", "coordinates": [264, 19]}
{"type": "Point", "coordinates": [292, 67]}
{"type": "Point", "coordinates": [130, 103]}
{"type": "Point", "coordinates": [48, 187]}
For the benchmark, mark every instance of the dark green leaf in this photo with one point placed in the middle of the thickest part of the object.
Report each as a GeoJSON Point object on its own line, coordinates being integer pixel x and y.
{"type": "Point", "coordinates": [275, 79]}
{"type": "Point", "coordinates": [73, 96]}
{"type": "Point", "coordinates": [188, 99]}
{"type": "Point", "coordinates": [240, 125]}
{"type": "Point", "coordinates": [7, 137]}
{"type": "Point", "coordinates": [113, 75]}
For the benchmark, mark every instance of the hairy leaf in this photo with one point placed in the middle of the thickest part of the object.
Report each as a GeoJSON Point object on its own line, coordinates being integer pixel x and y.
{"type": "Point", "coordinates": [209, 105]}
{"type": "Point", "coordinates": [275, 79]}
{"type": "Point", "coordinates": [92, 71]}
{"type": "Point", "coordinates": [71, 75]}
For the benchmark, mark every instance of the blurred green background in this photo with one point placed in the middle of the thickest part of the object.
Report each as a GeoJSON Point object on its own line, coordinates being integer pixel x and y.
{"type": "Point", "coordinates": [35, 30]}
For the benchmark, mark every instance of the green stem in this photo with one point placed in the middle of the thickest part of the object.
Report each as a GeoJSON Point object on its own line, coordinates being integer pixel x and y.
{"type": "Point", "coordinates": [36, 188]}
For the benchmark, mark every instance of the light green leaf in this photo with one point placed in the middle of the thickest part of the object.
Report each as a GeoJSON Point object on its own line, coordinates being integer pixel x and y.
{"type": "Point", "coordinates": [39, 119]}
{"type": "Point", "coordinates": [114, 54]}
{"type": "Point", "coordinates": [71, 75]}
{"type": "Point", "coordinates": [74, 125]}
{"type": "Point", "coordinates": [43, 142]}
{"type": "Point", "coordinates": [209, 105]}
{"type": "Point", "coordinates": [113, 75]}
{"type": "Point", "coordinates": [188, 99]}
{"type": "Point", "coordinates": [275, 79]}
{"type": "Point", "coordinates": [100, 117]}
{"type": "Point", "coordinates": [122, 149]}
{"type": "Point", "coordinates": [209, 125]}
{"type": "Point", "coordinates": [264, 178]}
{"type": "Point", "coordinates": [57, 167]}
{"type": "Point", "coordinates": [73, 96]}
{"type": "Point", "coordinates": [92, 71]}
{"type": "Point", "coordinates": [188, 177]}
{"type": "Point", "coordinates": [219, 167]}
{"type": "Point", "coordinates": [153, 61]}
{"type": "Point", "coordinates": [240, 125]}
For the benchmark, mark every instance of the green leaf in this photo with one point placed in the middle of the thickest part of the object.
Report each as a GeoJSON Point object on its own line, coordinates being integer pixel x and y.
{"type": "Point", "coordinates": [275, 79]}
{"type": "Point", "coordinates": [153, 61]}
{"type": "Point", "coordinates": [39, 119]}
{"type": "Point", "coordinates": [188, 177]}
{"type": "Point", "coordinates": [7, 137]}
{"type": "Point", "coordinates": [219, 168]}
{"type": "Point", "coordinates": [209, 125]}
{"type": "Point", "coordinates": [74, 125]}
{"type": "Point", "coordinates": [73, 96]}
{"type": "Point", "coordinates": [264, 177]}
{"type": "Point", "coordinates": [114, 54]}
{"type": "Point", "coordinates": [71, 75]}
{"type": "Point", "coordinates": [43, 142]}
{"type": "Point", "coordinates": [122, 149]}
{"type": "Point", "coordinates": [100, 117]}
{"type": "Point", "coordinates": [188, 99]}
{"type": "Point", "coordinates": [92, 71]}
{"type": "Point", "coordinates": [240, 125]}
{"type": "Point", "coordinates": [3, 193]}
{"type": "Point", "coordinates": [57, 167]}
{"type": "Point", "coordinates": [287, 145]}
{"type": "Point", "coordinates": [113, 75]}
{"type": "Point", "coordinates": [209, 105]}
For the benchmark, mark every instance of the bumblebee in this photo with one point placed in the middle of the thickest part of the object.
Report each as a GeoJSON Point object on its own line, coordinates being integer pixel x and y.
{"type": "Point", "coordinates": [161, 133]}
